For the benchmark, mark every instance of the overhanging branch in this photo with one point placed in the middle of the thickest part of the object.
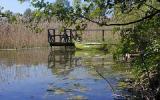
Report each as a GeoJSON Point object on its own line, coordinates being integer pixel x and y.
{"type": "Point", "coordinates": [150, 6]}
{"type": "Point", "coordinates": [122, 24]}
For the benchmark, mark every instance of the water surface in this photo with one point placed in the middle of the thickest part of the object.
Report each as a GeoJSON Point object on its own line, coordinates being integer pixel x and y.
{"type": "Point", "coordinates": [39, 74]}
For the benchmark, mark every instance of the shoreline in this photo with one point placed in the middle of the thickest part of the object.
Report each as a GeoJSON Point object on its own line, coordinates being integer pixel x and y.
{"type": "Point", "coordinates": [23, 48]}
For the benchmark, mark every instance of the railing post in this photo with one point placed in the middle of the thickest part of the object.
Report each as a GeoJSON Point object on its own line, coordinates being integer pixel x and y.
{"type": "Point", "coordinates": [48, 36]}
{"type": "Point", "coordinates": [65, 35]}
{"type": "Point", "coordinates": [103, 36]}
{"type": "Point", "coordinates": [60, 37]}
{"type": "Point", "coordinates": [54, 35]}
{"type": "Point", "coordinates": [71, 35]}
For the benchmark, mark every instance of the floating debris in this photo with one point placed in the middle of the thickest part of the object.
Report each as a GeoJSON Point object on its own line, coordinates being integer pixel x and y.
{"type": "Point", "coordinates": [79, 87]}
{"type": "Point", "coordinates": [77, 98]}
{"type": "Point", "coordinates": [59, 91]}
{"type": "Point", "coordinates": [118, 97]}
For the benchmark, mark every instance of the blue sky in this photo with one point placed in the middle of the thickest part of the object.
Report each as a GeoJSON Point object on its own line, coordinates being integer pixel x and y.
{"type": "Point", "coordinates": [15, 6]}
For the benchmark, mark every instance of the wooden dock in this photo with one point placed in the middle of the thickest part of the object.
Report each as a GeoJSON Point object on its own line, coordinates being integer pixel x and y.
{"type": "Point", "coordinates": [61, 39]}
{"type": "Point", "coordinates": [70, 37]}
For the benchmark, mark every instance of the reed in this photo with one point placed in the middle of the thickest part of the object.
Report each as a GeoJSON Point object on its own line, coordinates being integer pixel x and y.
{"type": "Point", "coordinates": [19, 35]}
{"type": "Point", "coordinates": [15, 36]}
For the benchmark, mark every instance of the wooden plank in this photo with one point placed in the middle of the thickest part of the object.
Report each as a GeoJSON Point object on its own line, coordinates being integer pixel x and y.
{"type": "Point", "coordinates": [93, 43]}
{"type": "Point", "coordinates": [96, 43]}
{"type": "Point", "coordinates": [61, 44]}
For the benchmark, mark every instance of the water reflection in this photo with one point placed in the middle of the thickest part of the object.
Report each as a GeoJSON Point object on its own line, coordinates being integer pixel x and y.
{"type": "Point", "coordinates": [43, 74]}
{"type": "Point", "coordinates": [62, 62]}
{"type": "Point", "coordinates": [19, 65]}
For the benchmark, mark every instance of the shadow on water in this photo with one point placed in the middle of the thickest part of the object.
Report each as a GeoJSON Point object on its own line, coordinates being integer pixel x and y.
{"type": "Point", "coordinates": [41, 74]}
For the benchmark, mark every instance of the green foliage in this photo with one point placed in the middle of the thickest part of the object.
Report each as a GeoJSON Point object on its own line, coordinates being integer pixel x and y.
{"type": "Point", "coordinates": [97, 11]}
{"type": "Point", "coordinates": [141, 36]}
{"type": "Point", "coordinates": [76, 4]}
{"type": "Point", "coordinates": [9, 15]}
{"type": "Point", "coordinates": [143, 39]}
{"type": "Point", "coordinates": [63, 3]}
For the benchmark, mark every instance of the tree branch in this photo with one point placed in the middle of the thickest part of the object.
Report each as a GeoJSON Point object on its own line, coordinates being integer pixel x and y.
{"type": "Point", "coordinates": [150, 6]}
{"type": "Point", "coordinates": [122, 24]}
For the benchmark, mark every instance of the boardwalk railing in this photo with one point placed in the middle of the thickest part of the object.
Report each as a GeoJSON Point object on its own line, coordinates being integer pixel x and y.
{"type": "Point", "coordinates": [61, 39]}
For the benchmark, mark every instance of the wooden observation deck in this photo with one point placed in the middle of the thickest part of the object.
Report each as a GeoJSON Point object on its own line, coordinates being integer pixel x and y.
{"type": "Point", "coordinates": [86, 38]}
{"type": "Point", "coordinates": [61, 39]}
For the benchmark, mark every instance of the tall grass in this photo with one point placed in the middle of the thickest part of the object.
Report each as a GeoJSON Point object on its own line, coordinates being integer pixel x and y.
{"type": "Point", "coordinates": [18, 35]}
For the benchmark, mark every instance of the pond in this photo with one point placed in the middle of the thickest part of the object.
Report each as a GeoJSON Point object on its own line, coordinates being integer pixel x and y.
{"type": "Point", "coordinates": [42, 74]}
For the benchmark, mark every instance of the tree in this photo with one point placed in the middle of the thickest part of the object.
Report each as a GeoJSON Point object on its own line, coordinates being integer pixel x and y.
{"type": "Point", "coordinates": [11, 17]}
{"type": "Point", "coordinates": [96, 10]}
{"type": "Point", "coordinates": [27, 13]}
{"type": "Point", "coordinates": [76, 3]}
{"type": "Point", "coordinates": [64, 3]}
{"type": "Point", "coordinates": [1, 8]}
{"type": "Point", "coordinates": [144, 37]}
{"type": "Point", "coordinates": [8, 13]}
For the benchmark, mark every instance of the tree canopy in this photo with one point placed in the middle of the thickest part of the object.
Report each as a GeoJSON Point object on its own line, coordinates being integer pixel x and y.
{"type": "Point", "coordinates": [99, 11]}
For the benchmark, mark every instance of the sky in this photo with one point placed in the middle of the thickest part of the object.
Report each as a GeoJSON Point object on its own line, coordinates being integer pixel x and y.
{"type": "Point", "coordinates": [15, 6]}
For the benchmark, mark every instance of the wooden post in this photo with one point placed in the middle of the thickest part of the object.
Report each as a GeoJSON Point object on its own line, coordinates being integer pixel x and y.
{"type": "Point", "coordinates": [71, 35]}
{"type": "Point", "coordinates": [54, 35]}
{"type": "Point", "coordinates": [65, 36]}
{"type": "Point", "coordinates": [48, 35]}
{"type": "Point", "coordinates": [103, 36]}
{"type": "Point", "coordinates": [60, 37]}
